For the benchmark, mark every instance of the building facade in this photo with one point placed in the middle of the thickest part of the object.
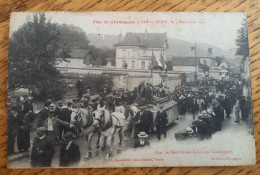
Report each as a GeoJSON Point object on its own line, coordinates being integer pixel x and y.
{"type": "Point", "coordinates": [136, 50]}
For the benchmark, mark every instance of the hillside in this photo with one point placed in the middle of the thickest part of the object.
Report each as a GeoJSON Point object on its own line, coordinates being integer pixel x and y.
{"type": "Point", "coordinates": [177, 48]}
{"type": "Point", "coordinates": [106, 41]}
{"type": "Point", "coordinates": [180, 48]}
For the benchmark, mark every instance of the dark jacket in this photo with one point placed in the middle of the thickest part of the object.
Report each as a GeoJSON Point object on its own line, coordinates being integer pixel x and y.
{"type": "Point", "coordinates": [194, 107]}
{"type": "Point", "coordinates": [161, 119]}
{"type": "Point", "coordinates": [41, 117]}
{"type": "Point", "coordinates": [58, 113]}
{"type": "Point", "coordinates": [42, 152]}
{"type": "Point", "coordinates": [148, 94]}
{"type": "Point", "coordinates": [146, 121]}
{"type": "Point", "coordinates": [66, 114]}
{"type": "Point", "coordinates": [71, 156]}
{"type": "Point", "coordinates": [80, 85]}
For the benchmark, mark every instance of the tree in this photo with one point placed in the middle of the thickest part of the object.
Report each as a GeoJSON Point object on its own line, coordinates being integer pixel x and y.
{"type": "Point", "coordinates": [219, 60]}
{"type": "Point", "coordinates": [100, 55]}
{"type": "Point", "coordinates": [97, 82]}
{"type": "Point", "coordinates": [169, 65]}
{"type": "Point", "coordinates": [33, 51]}
{"type": "Point", "coordinates": [72, 37]}
{"type": "Point", "coordinates": [242, 42]}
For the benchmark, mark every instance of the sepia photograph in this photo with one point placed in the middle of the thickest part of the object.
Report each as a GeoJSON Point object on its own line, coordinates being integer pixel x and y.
{"type": "Point", "coordinates": [129, 89]}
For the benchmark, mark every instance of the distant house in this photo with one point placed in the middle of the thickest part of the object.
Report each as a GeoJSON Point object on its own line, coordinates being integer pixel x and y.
{"type": "Point", "coordinates": [184, 64]}
{"type": "Point", "coordinates": [78, 59]}
{"type": "Point", "coordinates": [82, 54]}
{"type": "Point", "coordinates": [136, 50]}
{"type": "Point", "coordinates": [193, 60]}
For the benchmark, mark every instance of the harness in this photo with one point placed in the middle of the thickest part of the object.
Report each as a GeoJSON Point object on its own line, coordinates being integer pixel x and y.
{"type": "Point", "coordinates": [90, 120]}
{"type": "Point", "coordinates": [109, 124]}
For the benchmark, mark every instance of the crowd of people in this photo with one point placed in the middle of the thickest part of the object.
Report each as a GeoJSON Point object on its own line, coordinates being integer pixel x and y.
{"type": "Point", "coordinates": [209, 102]}
{"type": "Point", "coordinates": [55, 125]}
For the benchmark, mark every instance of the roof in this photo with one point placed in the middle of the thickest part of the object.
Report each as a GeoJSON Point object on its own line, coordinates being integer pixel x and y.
{"type": "Point", "coordinates": [78, 53]}
{"type": "Point", "coordinates": [184, 62]}
{"type": "Point", "coordinates": [200, 52]}
{"type": "Point", "coordinates": [150, 40]}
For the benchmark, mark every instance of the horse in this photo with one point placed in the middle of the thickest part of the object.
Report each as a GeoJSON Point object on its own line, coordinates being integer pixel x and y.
{"type": "Point", "coordinates": [84, 118]}
{"type": "Point", "coordinates": [109, 124]}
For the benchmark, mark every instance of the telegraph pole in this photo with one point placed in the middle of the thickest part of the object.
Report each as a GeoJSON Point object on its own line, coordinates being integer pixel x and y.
{"type": "Point", "coordinates": [196, 66]}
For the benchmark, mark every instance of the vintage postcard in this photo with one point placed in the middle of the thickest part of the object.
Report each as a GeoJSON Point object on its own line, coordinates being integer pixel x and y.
{"type": "Point", "coordinates": [129, 89]}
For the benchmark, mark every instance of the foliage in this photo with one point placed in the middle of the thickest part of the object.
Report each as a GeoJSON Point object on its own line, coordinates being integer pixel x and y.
{"type": "Point", "coordinates": [219, 60]}
{"type": "Point", "coordinates": [204, 67]}
{"type": "Point", "coordinates": [242, 40]}
{"type": "Point", "coordinates": [100, 55]}
{"type": "Point", "coordinates": [96, 83]}
{"type": "Point", "coordinates": [51, 89]}
{"type": "Point", "coordinates": [242, 43]}
{"type": "Point", "coordinates": [72, 37]}
{"type": "Point", "coordinates": [32, 52]}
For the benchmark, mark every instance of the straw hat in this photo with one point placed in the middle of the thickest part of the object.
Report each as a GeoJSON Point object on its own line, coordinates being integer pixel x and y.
{"type": "Point", "coordinates": [142, 135]}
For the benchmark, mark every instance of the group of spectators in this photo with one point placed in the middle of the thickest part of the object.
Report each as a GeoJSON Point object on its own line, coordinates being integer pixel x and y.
{"type": "Point", "coordinates": [212, 101]}
{"type": "Point", "coordinates": [53, 123]}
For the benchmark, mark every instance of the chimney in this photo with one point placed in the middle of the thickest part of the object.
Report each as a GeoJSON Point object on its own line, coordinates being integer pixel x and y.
{"type": "Point", "coordinates": [210, 51]}
{"type": "Point", "coordinates": [120, 38]}
{"type": "Point", "coordinates": [145, 35]}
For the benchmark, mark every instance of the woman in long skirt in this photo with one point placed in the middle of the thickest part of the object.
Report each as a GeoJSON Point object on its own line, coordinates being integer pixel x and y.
{"type": "Point", "coordinates": [23, 134]}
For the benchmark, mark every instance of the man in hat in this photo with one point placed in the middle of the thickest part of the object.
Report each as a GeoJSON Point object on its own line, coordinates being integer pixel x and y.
{"type": "Point", "coordinates": [227, 105]}
{"type": "Point", "coordinates": [69, 152]}
{"type": "Point", "coordinates": [244, 107]}
{"type": "Point", "coordinates": [136, 121]}
{"type": "Point", "coordinates": [42, 150]}
{"type": "Point", "coordinates": [52, 124]}
{"type": "Point", "coordinates": [194, 108]}
{"type": "Point", "coordinates": [219, 113]}
{"type": "Point", "coordinates": [66, 112]}
{"type": "Point", "coordinates": [80, 87]}
{"type": "Point", "coordinates": [20, 105]}
{"type": "Point", "coordinates": [181, 107]}
{"type": "Point", "coordinates": [148, 93]}
{"type": "Point", "coordinates": [104, 93]}
{"type": "Point", "coordinates": [146, 120]}
{"type": "Point", "coordinates": [161, 122]}
{"type": "Point", "coordinates": [43, 114]}
{"type": "Point", "coordinates": [88, 93]}
{"type": "Point", "coordinates": [58, 114]}
{"type": "Point", "coordinates": [142, 140]}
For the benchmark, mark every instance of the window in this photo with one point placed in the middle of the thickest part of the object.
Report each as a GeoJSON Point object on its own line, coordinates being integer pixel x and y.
{"type": "Point", "coordinates": [133, 64]}
{"type": "Point", "coordinates": [124, 65]}
{"type": "Point", "coordinates": [133, 53]}
{"type": "Point", "coordinates": [143, 65]}
{"type": "Point", "coordinates": [123, 53]}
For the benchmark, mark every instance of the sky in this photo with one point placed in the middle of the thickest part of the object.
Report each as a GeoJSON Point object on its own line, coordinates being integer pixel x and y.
{"type": "Point", "coordinates": [219, 29]}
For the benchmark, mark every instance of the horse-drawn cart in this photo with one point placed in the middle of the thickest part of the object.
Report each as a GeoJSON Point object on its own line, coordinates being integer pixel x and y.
{"type": "Point", "coordinates": [170, 107]}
